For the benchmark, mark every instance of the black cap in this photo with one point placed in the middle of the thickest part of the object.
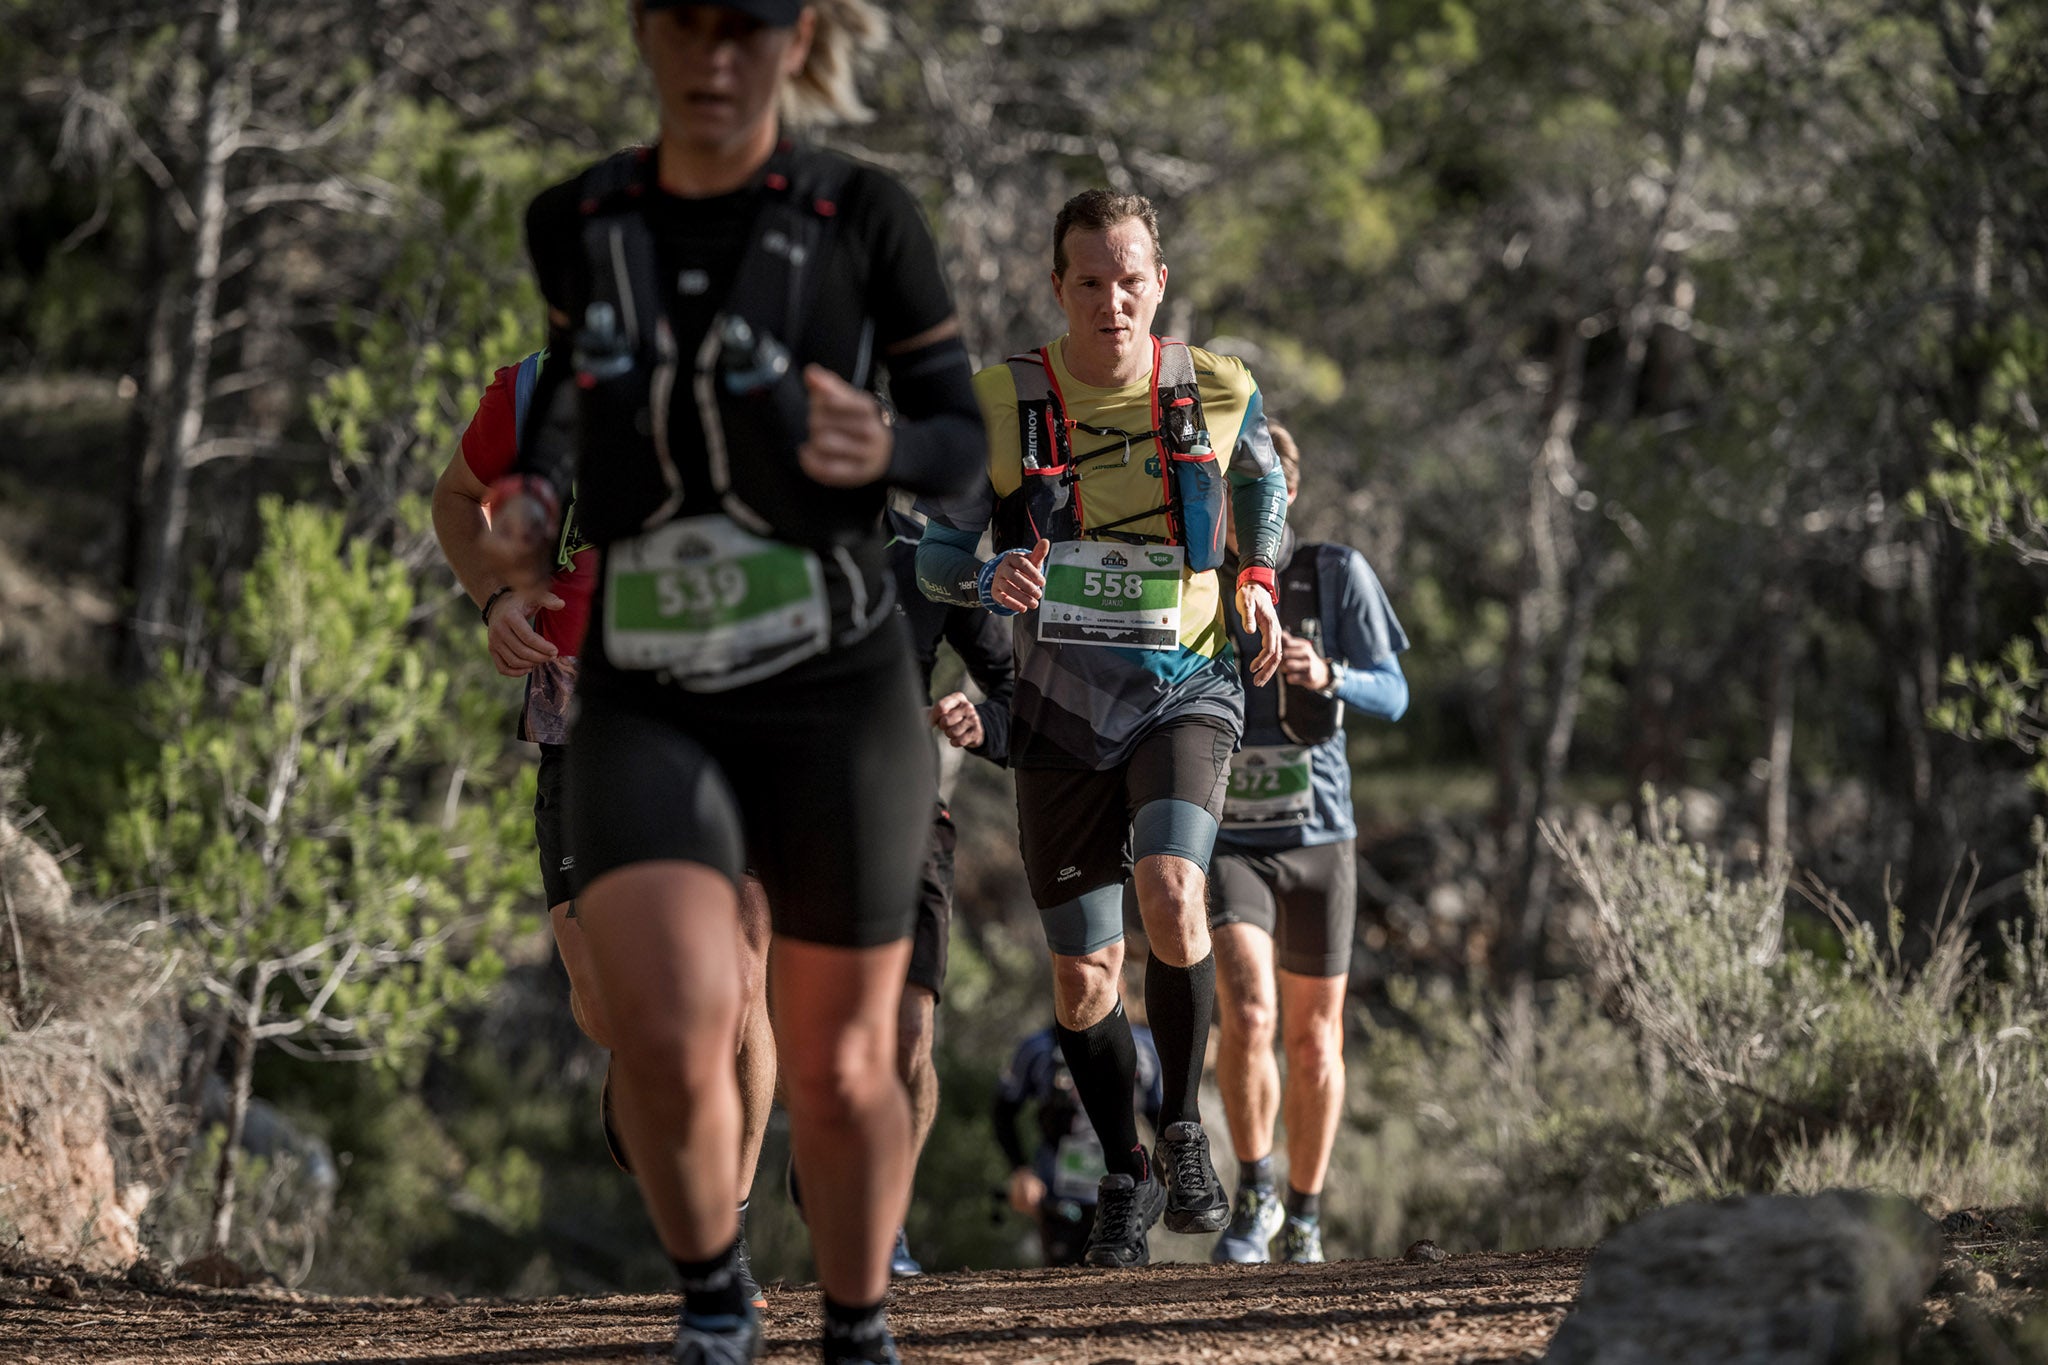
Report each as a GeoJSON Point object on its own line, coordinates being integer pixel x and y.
{"type": "Point", "coordinates": [774, 13]}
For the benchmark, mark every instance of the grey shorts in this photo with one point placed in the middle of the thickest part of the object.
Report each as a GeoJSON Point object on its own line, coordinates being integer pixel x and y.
{"type": "Point", "coordinates": [1306, 899]}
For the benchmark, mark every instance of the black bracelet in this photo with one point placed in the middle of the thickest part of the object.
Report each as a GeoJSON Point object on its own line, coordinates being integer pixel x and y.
{"type": "Point", "coordinates": [492, 601]}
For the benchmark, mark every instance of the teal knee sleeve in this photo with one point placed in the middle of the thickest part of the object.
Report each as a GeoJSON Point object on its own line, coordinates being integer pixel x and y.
{"type": "Point", "coordinates": [1180, 828]}
{"type": "Point", "coordinates": [1086, 924]}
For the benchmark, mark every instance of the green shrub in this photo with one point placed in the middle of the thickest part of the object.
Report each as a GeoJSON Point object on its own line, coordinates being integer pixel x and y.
{"type": "Point", "coordinates": [1701, 1054]}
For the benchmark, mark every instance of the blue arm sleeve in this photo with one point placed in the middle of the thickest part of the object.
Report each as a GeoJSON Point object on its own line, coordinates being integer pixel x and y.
{"type": "Point", "coordinates": [1258, 489]}
{"type": "Point", "coordinates": [1369, 641]}
{"type": "Point", "coordinates": [948, 570]}
{"type": "Point", "coordinates": [1381, 690]}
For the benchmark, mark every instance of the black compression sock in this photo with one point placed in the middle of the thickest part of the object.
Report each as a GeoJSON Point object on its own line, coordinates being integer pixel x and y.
{"type": "Point", "coordinates": [712, 1289]}
{"type": "Point", "coordinates": [855, 1333]}
{"type": "Point", "coordinates": [1256, 1175]}
{"type": "Point", "coordinates": [1306, 1208]}
{"type": "Point", "coordinates": [1103, 1060]}
{"type": "Point", "coordinates": [1180, 1002]}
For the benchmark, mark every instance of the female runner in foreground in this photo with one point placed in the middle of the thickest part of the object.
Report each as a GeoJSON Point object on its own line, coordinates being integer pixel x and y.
{"type": "Point", "coordinates": [717, 304]}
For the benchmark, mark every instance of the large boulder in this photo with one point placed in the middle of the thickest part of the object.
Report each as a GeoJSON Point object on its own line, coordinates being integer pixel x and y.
{"type": "Point", "coordinates": [1763, 1280]}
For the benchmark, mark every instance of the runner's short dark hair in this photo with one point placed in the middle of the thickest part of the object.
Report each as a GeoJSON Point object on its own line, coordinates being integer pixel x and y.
{"type": "Point", "coordinates": [1098, 211]}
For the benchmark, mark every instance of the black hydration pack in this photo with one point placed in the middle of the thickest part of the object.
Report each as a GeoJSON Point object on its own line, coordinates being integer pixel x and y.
{"type": "Point", "coordinates": [1048, 504]}
{"type": "Point", "coordinates": [747, 373]}
{"type": "Point", "coordinates": [1306, 717]}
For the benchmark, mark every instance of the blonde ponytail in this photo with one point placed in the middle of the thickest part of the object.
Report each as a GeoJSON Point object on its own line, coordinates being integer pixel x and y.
{"type": "Point", "coordinates": [827, 90]}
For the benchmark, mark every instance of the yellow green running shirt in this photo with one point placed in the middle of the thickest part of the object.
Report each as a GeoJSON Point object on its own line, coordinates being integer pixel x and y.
{"type": "Point", "coordinates": [1087, 705]}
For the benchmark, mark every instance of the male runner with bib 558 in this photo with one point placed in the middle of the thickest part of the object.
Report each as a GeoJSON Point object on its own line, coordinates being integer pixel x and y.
{"type": "Point", "coordinates": [1284, 884]}
{"type": "Point", "coordinates": [1108, 452]}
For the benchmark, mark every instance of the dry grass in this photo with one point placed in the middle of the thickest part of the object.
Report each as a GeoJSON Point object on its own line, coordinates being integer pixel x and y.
{"type": "Point", "coordinates": [88, 1023]}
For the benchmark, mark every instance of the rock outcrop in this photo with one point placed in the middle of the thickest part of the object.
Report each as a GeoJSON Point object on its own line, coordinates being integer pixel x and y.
{"type": "Point", "coordinates": [72, 1026]}
{"type": "Point", "coordinates": [1764, 1280]}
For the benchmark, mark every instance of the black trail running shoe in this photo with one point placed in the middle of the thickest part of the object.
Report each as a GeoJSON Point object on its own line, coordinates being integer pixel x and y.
{"type": "Point", "coordinates": [718, 1340]}
{"type": "Point", "coordinates": [1125, 1211]}
{"type": "Point", "coordinates": [873, 1346]}
{"type": "Point", "coordinates": [1194, 1196]}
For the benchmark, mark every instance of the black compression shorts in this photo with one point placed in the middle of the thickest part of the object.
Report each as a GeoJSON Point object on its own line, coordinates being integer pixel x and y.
{"type": "Point", "coordinates": [551, 826]}
{"type": "Point", "coordinates": [1075, 825]}
{"type": "Point", "coordinates": [819, 780]}
{"type": "Point", "coordinates": [934, 906]}
{"type": "Point", "coordinates": [1306, 899]}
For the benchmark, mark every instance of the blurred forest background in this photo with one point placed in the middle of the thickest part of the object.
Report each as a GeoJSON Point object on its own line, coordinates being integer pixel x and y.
{"type": "Point", "coordinates": [1677, 363]}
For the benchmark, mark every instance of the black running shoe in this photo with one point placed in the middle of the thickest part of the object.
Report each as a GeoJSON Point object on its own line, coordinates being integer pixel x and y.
{"type": "Point", "coordinates": [721, 1340]}
{"type": "Point", "coordinates": [1125, 1210]}
{"type": "Point", "coordinates": [874, 1346]}
{"type": "Point", "coordinates": [604, 1117]}
{"type": "Point", "coordinates": [1194, 1196]}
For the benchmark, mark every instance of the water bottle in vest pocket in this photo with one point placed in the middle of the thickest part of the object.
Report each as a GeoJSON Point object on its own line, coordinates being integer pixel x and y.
{"type": "Point", "coordinates": [1044, 505]}
{"type": "Point", "coordinates": [614, 376]}
{"type": "Point", "coordinates": [1198, 500]}
{"type": "Point", "coordinates": [758, 417]}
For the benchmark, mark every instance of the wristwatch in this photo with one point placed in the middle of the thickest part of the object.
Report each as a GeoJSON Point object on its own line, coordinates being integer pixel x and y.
{"type": "Point", "coordinates": [1336, 676]}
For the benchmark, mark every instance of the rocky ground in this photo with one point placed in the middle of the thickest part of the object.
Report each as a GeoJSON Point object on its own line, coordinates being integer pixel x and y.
{"type": "Point", "coordinates": [1461, 1309]}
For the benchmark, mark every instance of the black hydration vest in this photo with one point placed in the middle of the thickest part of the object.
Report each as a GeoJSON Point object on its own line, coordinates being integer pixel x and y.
{"type": "Point", "coordinates": [1305, 717]}
{"type": "Point", "coordinates": [747, 372]}
{"type": "Point", "coordinates": [1301, 715]}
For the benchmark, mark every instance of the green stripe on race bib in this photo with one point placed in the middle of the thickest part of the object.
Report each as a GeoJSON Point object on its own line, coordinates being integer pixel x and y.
{"type": "Point", "coordinates": [703, 596]}
{"type": "Point", "coordinates": [1100, 593]}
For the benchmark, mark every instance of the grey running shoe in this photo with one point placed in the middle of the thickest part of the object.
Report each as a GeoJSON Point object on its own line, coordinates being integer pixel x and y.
{"type": "Point", "coordinates": [1194, 1196]}
{"type": "Point", "coordinates": [749, 1286]}
{"type": "Point", "coordinates": [1301, 1242]}
{"type": "Point", "coordinates": [902, 1264]}
{"type": "Point", "coordinates": [1254, 1219]}
{"type": "Point", "coordinates": [725, 1340]}
{"type": "Point", "coordinates": [1125, 1211]}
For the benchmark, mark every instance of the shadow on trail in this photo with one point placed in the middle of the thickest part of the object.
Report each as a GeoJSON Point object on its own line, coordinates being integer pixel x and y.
{"type": "Point", "coordinates": [1259, 1320]}
{"type": "Point", "coordinates": [527, 1355]}
{"type": "Point", "coordinates": [1172, 1283]}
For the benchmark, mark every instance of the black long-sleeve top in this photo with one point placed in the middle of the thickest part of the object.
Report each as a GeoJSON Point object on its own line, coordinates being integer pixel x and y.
{"type": "Point", "coordinates": [877, 286]}
{"type": "Point", "coordinates": [980, 639]}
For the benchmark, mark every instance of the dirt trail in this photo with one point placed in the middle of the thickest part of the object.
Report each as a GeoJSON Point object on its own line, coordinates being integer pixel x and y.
{"type": "Point", "coordinates": [1467, 1309]}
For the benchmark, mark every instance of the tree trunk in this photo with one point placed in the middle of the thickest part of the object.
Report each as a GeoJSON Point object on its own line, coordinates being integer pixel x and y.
{"type": "Point", "coordinates": [1531, 898]}
{"type": "Point", "coordinates": [1517, 806]}
{"type": "Point", "coordinates": [162, 542]}
{"type": "Point", "coordinates": [149, 421]}
{"type": "Point", "coordinates": [1930, 629]}
{"type": "Point", "coordinates": [242, 1039]}
{"type": "Point", "coordinates": [1779, 686]}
